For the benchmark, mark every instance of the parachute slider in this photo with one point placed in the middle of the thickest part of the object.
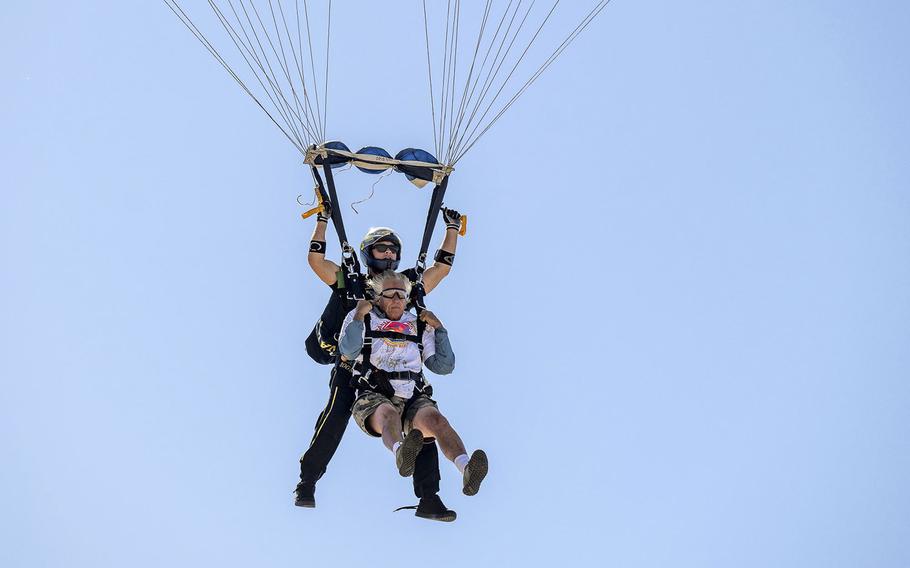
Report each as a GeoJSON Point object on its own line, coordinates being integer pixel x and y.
{"type": "Point", "coordinates": [419, 166]}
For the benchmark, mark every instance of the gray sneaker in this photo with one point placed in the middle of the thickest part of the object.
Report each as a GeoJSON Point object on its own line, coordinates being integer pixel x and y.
{"type": "Point", "coordinates": [474, 472]}
{"type": "Point", "coordinates": [406, 456]}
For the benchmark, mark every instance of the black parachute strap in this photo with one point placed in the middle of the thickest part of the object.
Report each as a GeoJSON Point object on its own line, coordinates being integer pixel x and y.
{"type": "Point", "coordinates": [420, 385]}
{"type": "Point", "coordinates": [394, 336]}
{"type": "Point", "coordinates": [353, 279]}
{"type": "Point", "coordinates": [439, 193]}
{"type": "Point", "coordinates": [365, 367]}
{"type": "Point", "coordinates": [421, 327]}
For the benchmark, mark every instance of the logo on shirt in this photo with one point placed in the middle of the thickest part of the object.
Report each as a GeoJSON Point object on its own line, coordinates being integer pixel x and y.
{"type": "Point", "coordinates": [403, 327]}
{"type": "Point", "coordinates": [397, 326]}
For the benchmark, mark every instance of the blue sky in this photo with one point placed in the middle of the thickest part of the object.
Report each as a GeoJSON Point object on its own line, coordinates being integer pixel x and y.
{"type": "Point", "coordinates": [680, 314]}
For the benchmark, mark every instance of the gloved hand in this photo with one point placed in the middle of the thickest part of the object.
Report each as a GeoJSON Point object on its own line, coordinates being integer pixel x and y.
{"type": "Point", "coordinates": [326, 213]}
{"type": "Point", "coordinates": [452, 218]}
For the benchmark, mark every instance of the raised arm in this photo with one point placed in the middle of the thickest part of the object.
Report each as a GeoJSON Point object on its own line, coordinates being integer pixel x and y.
{"type": "Point", "coordinates": [325, 269]}
{"type": "Point", "coordinates": [442, 263]}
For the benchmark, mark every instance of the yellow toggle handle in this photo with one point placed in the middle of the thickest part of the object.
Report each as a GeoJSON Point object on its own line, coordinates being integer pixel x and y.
{"type": "Point", "coordinates": [464, 225]}
{"type": "Point", "coordinates": [318, 209]}
{"type": "Point", "coordinates": [313, 211]}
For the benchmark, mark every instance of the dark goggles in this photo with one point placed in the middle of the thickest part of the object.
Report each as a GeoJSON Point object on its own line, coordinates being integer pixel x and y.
{"type": "Point", "coordinates": [383, 248]}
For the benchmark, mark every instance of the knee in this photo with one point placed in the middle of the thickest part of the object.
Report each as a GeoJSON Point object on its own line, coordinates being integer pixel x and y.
{"type": "Point", "coordinates": [436, 422]}
{"type": "Point", "coordinates": [385, 413]}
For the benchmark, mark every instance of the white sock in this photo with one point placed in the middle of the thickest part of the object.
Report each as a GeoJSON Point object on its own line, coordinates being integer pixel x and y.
{"type": "Point", "coordinates": [395, 447]}
{"type": "Point", "coordinates": [461, 461]}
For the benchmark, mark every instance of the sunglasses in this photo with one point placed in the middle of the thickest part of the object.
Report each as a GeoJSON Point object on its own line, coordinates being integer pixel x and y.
{"type": "Point", "coordinates": [394, 293]}
{"type": "Point", "coordinates": [384, 248]}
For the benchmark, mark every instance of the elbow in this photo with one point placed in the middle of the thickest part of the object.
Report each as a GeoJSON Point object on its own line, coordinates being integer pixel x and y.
{"type": "Point", "coordinates": [446, 367]}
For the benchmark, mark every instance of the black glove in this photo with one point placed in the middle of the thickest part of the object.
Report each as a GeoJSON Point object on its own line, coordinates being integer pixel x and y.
{"type": "Point", "coordinates": [452, 218]}
{"type": "Point", "coordinates": [326, 213]}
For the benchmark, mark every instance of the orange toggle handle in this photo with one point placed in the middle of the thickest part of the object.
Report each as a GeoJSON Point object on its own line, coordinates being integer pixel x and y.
{"type": "Point", "coordinates": [464, 225]}
{"type": "Point", "coordinates": [311, 212]}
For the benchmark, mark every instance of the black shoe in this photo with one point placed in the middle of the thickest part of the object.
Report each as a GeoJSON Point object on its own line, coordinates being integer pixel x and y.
{"type": "Point", "coordinates": [433, 508]}
{"type": "Point", "coordinates": [406, 456]}
{"type": "Point", "coordinates": [305, 495]}
{"type": "Point", "coordinates": [474, 472]}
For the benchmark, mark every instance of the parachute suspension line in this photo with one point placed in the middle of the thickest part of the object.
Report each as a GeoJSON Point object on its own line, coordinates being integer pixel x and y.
{"type": "Point", "coordinates": [467, 83]}
{"type": "Point", "coordinates": [325, 84]}
{"type": "Point", "coordinates": [259, 56]}
{"type": "Point", "coordinates": [498, 60]}
{"type": "Point", "coordinates": [282, 59]}
{"type": "Point", "coordinates": [265, 42]}
{"type": "Point", "coordinates": [248, 51]}
{"type": "Point", "coordinates": [559, 50]}
{"type": "Point", "coordinates": [426, 35]}
{"type": "Point", "coordinates": [474, 98]}
{"type": "Point", "coordinates": [309, 36]}
{"type": "Point", "coordinates": [286, 67]}
{"type": "Point", "coordinates": [283, 63]}
{"type": "Point", "coordinates": [454, 61]}
{"type": "Point", "coordinates": [186, 21]}
{"type": "Point", "coordinates": [446, 75]}
{"type": "Point", "coordinates": [514, 67]}
{"type": "Point", "coordinates": [493, 64]}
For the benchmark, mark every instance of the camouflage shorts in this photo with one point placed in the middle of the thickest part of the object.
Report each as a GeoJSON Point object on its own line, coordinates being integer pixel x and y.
{"type": "Point", "coordinates": [368, 401]}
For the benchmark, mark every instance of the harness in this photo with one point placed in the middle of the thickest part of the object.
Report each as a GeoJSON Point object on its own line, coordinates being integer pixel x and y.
{"type": "Point", "coordinates": [368, 377]}
{"type": "Point", "coordinates": [353, 278]}
{"type": "Point", "coordinates": [354, 288]}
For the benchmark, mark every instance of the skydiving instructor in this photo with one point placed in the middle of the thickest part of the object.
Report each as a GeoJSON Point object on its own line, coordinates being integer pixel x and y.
{"type": "Point", "coordinates": [380, 250]}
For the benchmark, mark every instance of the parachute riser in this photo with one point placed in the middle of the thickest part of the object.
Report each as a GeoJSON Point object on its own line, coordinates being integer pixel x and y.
{"type": "Point", "coordinates": [353, 279]}
{"type": "Point", "coordinates": [439, 193]}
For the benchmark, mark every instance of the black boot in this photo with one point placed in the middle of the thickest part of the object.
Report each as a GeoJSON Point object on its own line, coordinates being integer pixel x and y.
{"type": "Point", "coordinates": [305, 495]}
{"type": "Point", "coordinates": [433, 508]}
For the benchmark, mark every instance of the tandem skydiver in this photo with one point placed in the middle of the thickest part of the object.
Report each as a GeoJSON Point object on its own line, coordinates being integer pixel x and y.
{"type": "Point", "coordinates": [393, 394]}
{"type": "Point", "coordinates": [380, 250]}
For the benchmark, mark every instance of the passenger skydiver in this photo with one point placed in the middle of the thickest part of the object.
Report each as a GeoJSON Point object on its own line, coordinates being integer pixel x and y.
{"type": "Point", "coordinates": [393, 394]}
{"type": "Point", "coordinates": [379, 250]}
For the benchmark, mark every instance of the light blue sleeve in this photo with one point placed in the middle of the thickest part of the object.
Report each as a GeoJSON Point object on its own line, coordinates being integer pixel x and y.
{"type": "Point", "coordinates": [350, 342]}
{"type": "Point", "coordinates": [443, 361]}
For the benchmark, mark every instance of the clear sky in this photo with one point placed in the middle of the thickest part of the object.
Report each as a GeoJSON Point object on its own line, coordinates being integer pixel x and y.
{"type": "Point", "coordinates": [681, 313]}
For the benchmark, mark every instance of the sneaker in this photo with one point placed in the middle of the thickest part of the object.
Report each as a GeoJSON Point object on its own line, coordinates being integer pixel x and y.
{"type": "Point", "coordinates": [406, 456]}
{"type": "Point", "coordinates": [433, 508]}
{"type": "Point", "coordinates": [305, 495]}
{"type": "Point", "coordinates": [474, 472]}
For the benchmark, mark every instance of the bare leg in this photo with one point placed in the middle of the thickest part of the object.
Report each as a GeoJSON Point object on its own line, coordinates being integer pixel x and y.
{"type": "Point", "coordinates": [434, 425]}
{"type": "Point", "coordinates": [387, 422]}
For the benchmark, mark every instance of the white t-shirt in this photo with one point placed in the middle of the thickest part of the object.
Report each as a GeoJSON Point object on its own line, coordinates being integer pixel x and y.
{"type": "Point", "coordinates": [397, 355]}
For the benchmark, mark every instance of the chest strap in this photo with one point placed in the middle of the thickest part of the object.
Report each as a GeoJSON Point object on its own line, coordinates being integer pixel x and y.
{"type": "Point", "coordinates": [369, 377]}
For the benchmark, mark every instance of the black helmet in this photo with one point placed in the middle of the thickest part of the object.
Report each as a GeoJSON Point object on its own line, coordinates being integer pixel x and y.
{"type": "Point", "coordinates": [372, 237]}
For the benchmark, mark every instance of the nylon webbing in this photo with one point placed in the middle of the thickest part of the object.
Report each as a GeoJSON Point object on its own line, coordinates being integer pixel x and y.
{"type": "Point", "coordinates": [439, 193]}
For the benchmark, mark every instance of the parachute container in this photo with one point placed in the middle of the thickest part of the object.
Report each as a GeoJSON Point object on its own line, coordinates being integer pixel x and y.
{"type": "Point", "coordinates": [418, 175]}
{"type": "Point", "coordinates": [372, 167]}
